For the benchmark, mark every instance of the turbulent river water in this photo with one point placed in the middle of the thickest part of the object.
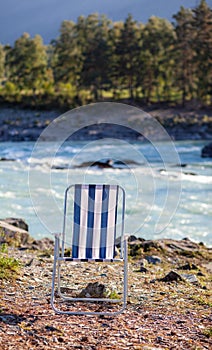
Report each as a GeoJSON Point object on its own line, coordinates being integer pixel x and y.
{"type": "Point", "coordinates": [163, 199]}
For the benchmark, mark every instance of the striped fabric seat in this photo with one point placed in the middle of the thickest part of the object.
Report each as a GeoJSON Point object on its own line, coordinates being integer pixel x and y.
{"type": "Point", "coordinates": [95, 219]}
{"type": "Point", "coordinates": [92, 220]}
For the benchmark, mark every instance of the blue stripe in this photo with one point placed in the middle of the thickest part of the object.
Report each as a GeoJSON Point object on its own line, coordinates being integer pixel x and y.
{"type": "Point", "coordinates": [76, 230]}
{"type": "Point", "coordinates": [90, 221]}
{"type": "Point", "coordinates": [104, 218]}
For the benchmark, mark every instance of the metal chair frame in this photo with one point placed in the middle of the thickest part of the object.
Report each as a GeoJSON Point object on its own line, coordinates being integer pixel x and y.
{"type": "Point", "coordinates": [59, 251]}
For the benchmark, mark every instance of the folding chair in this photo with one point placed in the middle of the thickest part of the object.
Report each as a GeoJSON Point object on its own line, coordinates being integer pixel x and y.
{"type": "Point", "coordinates": [97, 216]}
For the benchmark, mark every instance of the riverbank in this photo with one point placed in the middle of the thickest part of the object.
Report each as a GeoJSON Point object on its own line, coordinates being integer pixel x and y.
{"type": "Point", "coordinates": [169, 300]}
{"type": "Point", "coordinates": [181, 124]}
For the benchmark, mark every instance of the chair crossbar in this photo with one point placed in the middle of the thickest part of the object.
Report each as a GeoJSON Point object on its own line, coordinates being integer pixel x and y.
{"type": "Point", "coordinates": [88, 260]}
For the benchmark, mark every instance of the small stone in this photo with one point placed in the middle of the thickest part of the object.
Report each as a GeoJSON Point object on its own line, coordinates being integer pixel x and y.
{"type": "Point", "coordinates": [105, 325]}
{"type": "Point", "coordinates": [60, 339]}
{"type": "Point", "coordinates": [190, 278]}
{"type": "Point", "coordinates": [172, 333]}
{"type": "Point", "coordinates": [188, 267]}
{"type": "Point", "coordinates": [200, 273]}
{"type": "Point", "coordinates": [29, 263]}
{"type": "Point", "coordinates": [143, 269]}
{"type": "Point", "coordinates": [153, 281]}
{"type": "Point", "coordinates": [84, 339]}
{"type": "Point", "coordinates": [171, 277]}
{"type": "Point", "coordinates": [31, 287]}
{"type": "Point", "coordinates": [152, 259]}
{"type": "Point", "coordinates": [51, 328]}
{"type": "Point", "coordinates": [159, 339]}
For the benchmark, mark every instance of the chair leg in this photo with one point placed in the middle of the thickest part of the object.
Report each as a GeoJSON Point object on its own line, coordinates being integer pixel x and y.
{"type": "Point", "coordinates": [53, 284]}
{"type": "Point", "coordinates": [58, 278]}
{"type": "Point", "coordinates": [125, 291]}
{"type": "Point", "coordinates": [56, 250]}
{"type": "Point", "coordinates": [114, 313]}
{"type": "Point", "coordinates": [57, 268]}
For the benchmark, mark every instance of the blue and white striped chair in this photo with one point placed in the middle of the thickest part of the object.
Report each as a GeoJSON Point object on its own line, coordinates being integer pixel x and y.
{"type": "Point", "coordinates": [96, 211]}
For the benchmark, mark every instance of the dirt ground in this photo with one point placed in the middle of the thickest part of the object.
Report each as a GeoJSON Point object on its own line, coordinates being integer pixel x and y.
{"type": "Point", "coordinates": [164, 311]}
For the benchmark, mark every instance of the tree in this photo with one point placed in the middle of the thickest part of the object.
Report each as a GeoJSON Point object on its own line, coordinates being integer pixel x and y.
{"type": "Point", "coordinates": [2, 63]}
{"type": "Point", "coordinates": [156, 58]}
{"type": "Point", "coordinates": [115, 79]}
{"type": "Point", "coordinates": [67, 61]}
{"type": "Point", "coordinates": [127, 51]}
{"type": "Point", "coordinates": [184, 53]}
{"type": "Point", "coordinates": [202, 26]}
{"type": "Point", "coordinates": [93, 33]}
{"type": "Point", "coordinates": [27, 62]}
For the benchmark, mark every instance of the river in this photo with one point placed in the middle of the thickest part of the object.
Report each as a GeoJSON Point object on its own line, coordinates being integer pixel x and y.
{"type": "Point", "coordinates": [163, 199]}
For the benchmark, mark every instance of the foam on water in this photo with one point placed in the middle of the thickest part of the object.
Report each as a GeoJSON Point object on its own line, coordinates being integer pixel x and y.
{"type": "Point", "coordinates": [147, 186]}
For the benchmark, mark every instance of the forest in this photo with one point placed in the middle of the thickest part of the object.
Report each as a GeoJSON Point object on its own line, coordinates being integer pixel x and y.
{"type": "Point", "coordinates": [96, 59]}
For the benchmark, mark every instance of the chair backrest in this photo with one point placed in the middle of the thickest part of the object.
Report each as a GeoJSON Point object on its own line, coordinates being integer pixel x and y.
{"type": "Point", "coordinates": [95, 220]}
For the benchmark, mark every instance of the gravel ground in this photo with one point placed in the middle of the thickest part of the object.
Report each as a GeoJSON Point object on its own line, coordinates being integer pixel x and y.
{"type": "Point", "coordinates": [162, 313]}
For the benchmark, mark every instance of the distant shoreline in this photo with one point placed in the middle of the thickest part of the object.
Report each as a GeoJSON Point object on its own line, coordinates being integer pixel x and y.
{"type": "Point", "coordinates": [19, 124]}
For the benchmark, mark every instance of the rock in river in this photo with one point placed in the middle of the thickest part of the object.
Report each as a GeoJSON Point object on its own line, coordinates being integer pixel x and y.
{"type": "Point", "coordinates": [207, 151]}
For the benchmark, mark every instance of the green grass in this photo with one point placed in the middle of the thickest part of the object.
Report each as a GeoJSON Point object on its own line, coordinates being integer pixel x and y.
{"type": "Point", "coordinates": [202, 300]}
{"type": "Point", "coordinates": [208, 332]}
{"type": "Point", "coordinates": [8, 266]}
{"type": "Point", "coordinates": [114, 295]}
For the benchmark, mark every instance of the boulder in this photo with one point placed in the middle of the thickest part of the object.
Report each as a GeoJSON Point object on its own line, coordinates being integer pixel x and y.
{"type": "Point", "coordinates": [130, 239]}
{"type": "Point", "coordinates": [139, 246]}
{"type": "Point", "coordinates": [207, 151]}
{"type": "Point", "coordinates": [14, 235]}
{"type": "Point", "coordinates": [94, 290]}
{"type": "Point", "coordinates": [43, 244]}
{"type": "Point", "coordinates": [18, 222]}
{"type": "Point", "coordinates": [4, 159]}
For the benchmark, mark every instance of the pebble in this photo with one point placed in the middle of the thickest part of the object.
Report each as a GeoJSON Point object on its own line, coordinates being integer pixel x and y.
{"type": "Point", "coordinates": [190, 278]}
{"type": "Point", "coordinates": [31, 287]}
{"type": "Point", "coordinates": [159, 339]}
{"type": "Point", "coordinates": [152, 259]}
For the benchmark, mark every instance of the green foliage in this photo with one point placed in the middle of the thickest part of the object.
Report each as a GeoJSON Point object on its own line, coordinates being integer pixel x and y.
{"type": "Point", "coordinates": [128, 50]}
{"type": "Point", "coordinates": [27, 62]}
{"type": "Point", "coordinates": [208, 332]}
{"type": "Point", "coordinates": [95, 59]}
{"type": "Point", "coordinates": [114, 295]}
{"type": "Point", "coordinates": [8, 266]}
{"type": "Point", "coordinates": [202, 300]}
{"type": "Point", "coordinates": [10, 88]}
{"type": "Point", "coordinates": [2, 63]}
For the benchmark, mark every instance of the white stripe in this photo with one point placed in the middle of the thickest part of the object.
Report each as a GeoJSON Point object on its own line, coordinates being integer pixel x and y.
{"type": "Point", "coordinates": [97, 223]}
{"type": "Point", "coordinates": [83, 222]}
{"type": "Point", "coordinates": [111, 222]}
